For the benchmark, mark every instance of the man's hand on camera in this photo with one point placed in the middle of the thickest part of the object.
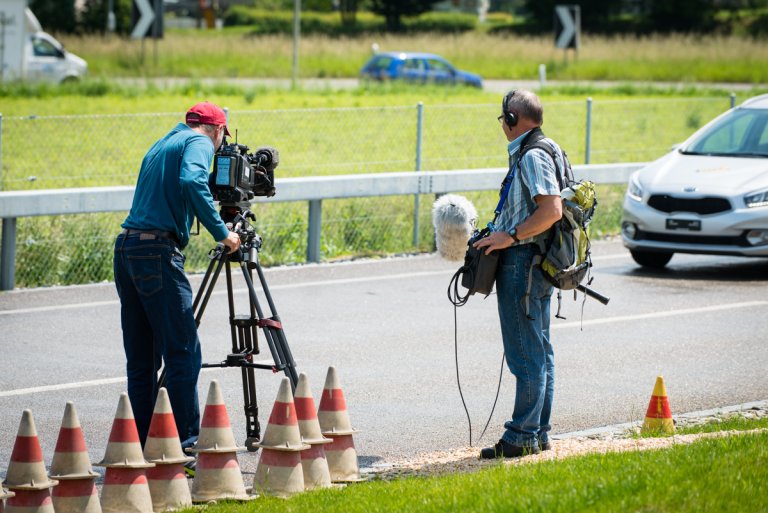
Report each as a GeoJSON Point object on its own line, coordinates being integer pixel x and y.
{"type": "Point", "coordinates": [495, 240]}
{"type": "Point", "coordinates": [232, 242]}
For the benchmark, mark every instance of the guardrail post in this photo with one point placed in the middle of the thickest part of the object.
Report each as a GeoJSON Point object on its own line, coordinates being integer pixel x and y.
{"type": "Point", "coordinates": [733, 100]}
{"type": "Point", "coordinates": [588, 143]}
{"type": "Point", "coordinates": [8, 254]}
{"type": "Point", "coordinates": [314, 230]}
{"type": "Point", "coordinates": [419, 136]}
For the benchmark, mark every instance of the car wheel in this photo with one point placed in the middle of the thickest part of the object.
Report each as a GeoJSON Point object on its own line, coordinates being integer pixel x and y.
{"type": "Point", "coordinates": [657, 260]}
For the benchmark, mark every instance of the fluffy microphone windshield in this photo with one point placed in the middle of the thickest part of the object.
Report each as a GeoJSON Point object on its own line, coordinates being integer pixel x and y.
{"type": "Point", "coordinates": [454, 219]}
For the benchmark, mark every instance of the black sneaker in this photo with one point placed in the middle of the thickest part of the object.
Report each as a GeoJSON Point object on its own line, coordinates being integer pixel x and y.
{"type": "Point", "coordinates": [545, 446]}
{"type": "Point", "coordinates": [189, 468]}
{"type": "Point", "coordinates": [507, 450]}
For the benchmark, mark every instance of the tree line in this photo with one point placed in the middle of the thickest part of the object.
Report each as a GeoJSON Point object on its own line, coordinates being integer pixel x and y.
{"type": "Point", "coordinates": [531, 16]}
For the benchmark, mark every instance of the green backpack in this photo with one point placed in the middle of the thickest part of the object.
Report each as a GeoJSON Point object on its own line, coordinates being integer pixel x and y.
{"type": "Point", "coordinates": [565, 258]}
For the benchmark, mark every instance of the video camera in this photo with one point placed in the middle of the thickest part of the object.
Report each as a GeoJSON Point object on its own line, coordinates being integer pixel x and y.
{"type": "Point", "coordinates": [238, 176]}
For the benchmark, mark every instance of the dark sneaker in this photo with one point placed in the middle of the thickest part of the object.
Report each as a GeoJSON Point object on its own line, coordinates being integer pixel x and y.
{"type": "Point", "coordinates": [545, 446]}
{"type": "Point", "coordinates": [189, 468]}
{"type": "Point", "coordinates": [507, 450]}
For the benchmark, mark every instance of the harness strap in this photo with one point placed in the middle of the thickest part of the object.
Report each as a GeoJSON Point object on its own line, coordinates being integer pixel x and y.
{"type": "Point", "coordinates": [269, 323]}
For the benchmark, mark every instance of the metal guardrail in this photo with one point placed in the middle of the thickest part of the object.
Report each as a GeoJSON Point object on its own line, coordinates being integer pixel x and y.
{"type": "Point", "coordinates": [314, 190]}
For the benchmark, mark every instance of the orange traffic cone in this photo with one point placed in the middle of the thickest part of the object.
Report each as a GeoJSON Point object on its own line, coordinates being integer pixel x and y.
{"type": "Point", "coordinates": [217, 474]}
{"type": "Point", "coordinates": [125, 488]}
{"type": "Point", "coordinates": [279, 471]}
{"type": "Point", "coordinates": [659, 416]}
{"type": "Point", "coordinates": [313, 461]}
{"type": "Point", "coordinates": [26, 472]}
{"type": "Point", "coordinates": [167, 481]}
{"type": "Point", "coordinates": [334, 423]}
{"type": "Point", "coordinates": [77, 491]}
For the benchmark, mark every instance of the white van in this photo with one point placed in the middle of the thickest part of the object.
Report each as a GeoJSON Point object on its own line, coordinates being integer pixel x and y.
{"type": "Point", "coordinates": [29, 54]}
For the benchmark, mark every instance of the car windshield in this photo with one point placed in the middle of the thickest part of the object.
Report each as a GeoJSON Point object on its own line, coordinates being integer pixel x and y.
{"type": "Point", "coordinates": [742, 133]}
{"type": "Point", "coordinates": [380, 62]}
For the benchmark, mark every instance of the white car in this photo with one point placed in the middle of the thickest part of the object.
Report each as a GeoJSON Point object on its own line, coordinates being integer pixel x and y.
{"type": "Point", "coordinates": [709, 195]}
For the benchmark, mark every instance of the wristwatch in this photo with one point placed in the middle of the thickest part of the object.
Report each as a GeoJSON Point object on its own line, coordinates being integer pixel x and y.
{"type": "Point", "coordinates": [513, 233]}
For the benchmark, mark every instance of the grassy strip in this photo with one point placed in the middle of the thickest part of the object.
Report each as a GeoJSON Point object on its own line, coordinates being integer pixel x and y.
{"type": "Point", "coordinates": [234, 53]}
{"type": "Point", "coordinates": [736, 422]}
{"type": "Point", "coordinates": [724, 474]}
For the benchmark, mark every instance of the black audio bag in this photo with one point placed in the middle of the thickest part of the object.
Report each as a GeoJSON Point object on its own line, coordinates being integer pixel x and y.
{"type": "Point", "coordinates": [479, 269]}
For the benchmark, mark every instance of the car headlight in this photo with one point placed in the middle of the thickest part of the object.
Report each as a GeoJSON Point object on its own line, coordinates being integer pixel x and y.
{"type": "Point", "coordinates": [757, 199]}
{"type": "Point", "coordinates": [634, 190]}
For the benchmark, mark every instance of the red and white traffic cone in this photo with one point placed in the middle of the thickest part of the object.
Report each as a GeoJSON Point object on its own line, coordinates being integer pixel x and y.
{"type": "Point", "coordinates": [167, 480]}
{"type": "Point", "coordinates": [217, 474]}
{"type": "Point", "coordinates": [335, 424]}
{"type": "Point", "coordinates": [125, 489]}
{"type": "Point", "coordinates": [71, 466]}
{"type": "Point", "coordinates": [279, 471]}
{"type": "Point", "coordinates": [26, 475]}
{"type": "Point", "coordinates": [313, 460]}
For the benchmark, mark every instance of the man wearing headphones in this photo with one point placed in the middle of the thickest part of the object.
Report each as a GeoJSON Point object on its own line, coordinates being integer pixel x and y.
{"type": "Point", "coordinates": [530, 204]}
{"type": "Point", "coordinates": [155, 295]}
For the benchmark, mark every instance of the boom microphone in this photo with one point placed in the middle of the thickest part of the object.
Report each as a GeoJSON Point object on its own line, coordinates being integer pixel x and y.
{"type": "Point", "coordinates": [454, 220]}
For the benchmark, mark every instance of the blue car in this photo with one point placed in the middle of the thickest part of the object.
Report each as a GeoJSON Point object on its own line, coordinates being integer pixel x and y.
{"type": "Point", "coordinates": [417, 68]}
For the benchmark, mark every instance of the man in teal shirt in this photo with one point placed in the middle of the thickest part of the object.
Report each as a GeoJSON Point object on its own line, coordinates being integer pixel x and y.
{"type": "Point", "coordinates": [155, 296]}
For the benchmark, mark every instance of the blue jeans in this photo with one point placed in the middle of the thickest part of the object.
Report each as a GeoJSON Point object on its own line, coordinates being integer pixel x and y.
{"type": "Point", "coordinates": [527, 346]}
{"type": "Point", "coordinates": [158, 327]}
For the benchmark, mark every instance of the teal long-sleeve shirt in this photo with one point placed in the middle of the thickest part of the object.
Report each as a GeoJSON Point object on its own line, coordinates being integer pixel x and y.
{"type": "Point", "coordinates": [173, 187]}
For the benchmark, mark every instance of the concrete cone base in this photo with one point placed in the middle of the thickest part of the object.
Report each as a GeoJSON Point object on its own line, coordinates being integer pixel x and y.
{"type": "Point", "coordinates": [279, 473]}
{"type": "Point", "coordinates": [315, 466]}
{"type": "Point", "coordinates": [218, 476]}
{"type": "Point", "coordinates": [342, 460]}
{"type": "Point", "coordinates": [168, 487]}
{"type": "Point", "coordinates": [76, 496]}
{"type": "Point", "coordinates": [126, 491]}
{"type": "Point", "coordinates": [30, 501]}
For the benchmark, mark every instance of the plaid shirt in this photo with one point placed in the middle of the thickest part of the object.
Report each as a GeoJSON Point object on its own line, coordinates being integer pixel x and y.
{"type": "Point", "coordinates": [534, 176]}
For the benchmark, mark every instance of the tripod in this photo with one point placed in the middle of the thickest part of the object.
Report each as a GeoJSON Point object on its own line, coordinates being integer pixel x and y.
{"type": "Point", "coordinates": [244, 327]}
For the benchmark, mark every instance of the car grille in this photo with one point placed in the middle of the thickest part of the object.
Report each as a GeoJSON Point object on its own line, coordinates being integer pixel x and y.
{"type": "Point", "coordinates": [692, 239]}
{"type": "Point", "coordinates": [702, 206]}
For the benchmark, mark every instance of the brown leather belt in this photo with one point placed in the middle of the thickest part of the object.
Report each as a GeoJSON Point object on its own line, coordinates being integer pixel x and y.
{"type": "Point", "coordinates": [157, 233]}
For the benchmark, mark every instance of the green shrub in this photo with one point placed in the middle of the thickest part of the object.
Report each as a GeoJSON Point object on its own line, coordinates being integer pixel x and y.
{"type": "Point", "coordinates": [441, 22]}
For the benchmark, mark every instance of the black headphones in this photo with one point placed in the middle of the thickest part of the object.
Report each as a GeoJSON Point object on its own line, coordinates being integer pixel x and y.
{"type": "Point", "coordinates": [510, 118]}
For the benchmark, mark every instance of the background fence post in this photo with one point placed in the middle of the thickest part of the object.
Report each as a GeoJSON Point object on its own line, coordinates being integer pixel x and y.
{"type": "Point", "coordinates": [588, 143]}
{"type": "Point", "coordinates": [416, 202]}
{"type": "Point", "coordinates": [733, 100]}
{"type": "Point", "coordinates": [8, 254]}
{"type": "Point", "coordinates": [419, 136]}
{"type": "Point", "coordinates": [314, 230]}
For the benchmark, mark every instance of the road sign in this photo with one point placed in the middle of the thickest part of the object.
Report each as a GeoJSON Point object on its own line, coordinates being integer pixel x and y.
{"type": "Point", "coordinates": [567, 26]}
{"type": "Point", "coordinates": [146, 19]}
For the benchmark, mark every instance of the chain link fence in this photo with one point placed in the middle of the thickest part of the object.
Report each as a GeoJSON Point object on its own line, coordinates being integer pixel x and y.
{"type": "Point", "coordinates": [89, 151]}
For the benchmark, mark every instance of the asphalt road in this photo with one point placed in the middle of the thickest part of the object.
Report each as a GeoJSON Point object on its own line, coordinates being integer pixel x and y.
{"type": "Point", "coordinates": [388, 328]}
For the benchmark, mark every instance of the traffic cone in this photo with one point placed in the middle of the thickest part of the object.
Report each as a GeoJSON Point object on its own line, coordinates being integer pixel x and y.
{"type": "Point", "coordinates": [125, 488]}
{"type": "Point", "coordinates": [124, 447]}
{"type": "Point", "coordinates": [217, 474]}
{"type": "Point", "coordinates": [334, 423]}
{"type": "Point", "coordinates": [279, 471]}
{"type": "Point", "coordinates": [31, 501]}
{"type": "Point", "coordinates": [167, 480]}
{"type": "Point", "coordinates": [26, 470]}
{"type": "Point", "coordinates": [77, 491]}
{"type": "Point", "coordinates": [313, 461]}
{"type": "Point", "coordinates": [658, 418]}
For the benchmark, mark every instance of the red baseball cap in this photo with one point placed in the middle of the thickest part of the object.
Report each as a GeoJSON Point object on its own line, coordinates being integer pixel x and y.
{"type": "Point", "coordinates": [207, 113]}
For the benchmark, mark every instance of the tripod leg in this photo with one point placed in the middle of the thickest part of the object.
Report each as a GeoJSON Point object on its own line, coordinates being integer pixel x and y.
{"type": "Point", "coordinates": [273, 328]}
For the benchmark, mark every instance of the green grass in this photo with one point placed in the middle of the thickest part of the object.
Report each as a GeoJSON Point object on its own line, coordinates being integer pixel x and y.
{"type": "Point", "coordinates": [725, 474]}
{"type": "Point", "coordinates": [736, 422]}
{"type": "Point", "coordinates": [234, 53]}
